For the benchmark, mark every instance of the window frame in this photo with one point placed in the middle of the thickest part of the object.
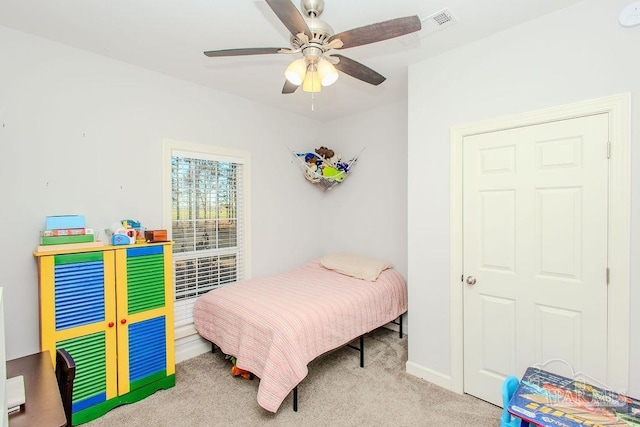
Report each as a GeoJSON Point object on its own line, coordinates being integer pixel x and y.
{"type": "Point", "coordinates": [171, 147]}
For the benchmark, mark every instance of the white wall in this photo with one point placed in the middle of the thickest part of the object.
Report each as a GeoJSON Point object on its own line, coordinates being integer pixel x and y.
{"type": "Point", "coordinates": [367, 213]}
{"type": "Point", "coordinates": [576, 54]}
{"type": "Point", "coordinates": [364, 214]}
{"type": "Point", "coordinates": [80, 133]}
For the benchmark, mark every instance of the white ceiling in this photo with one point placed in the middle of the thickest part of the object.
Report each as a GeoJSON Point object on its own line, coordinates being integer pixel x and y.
{"type": "Point", "coordinates": [169, 36]}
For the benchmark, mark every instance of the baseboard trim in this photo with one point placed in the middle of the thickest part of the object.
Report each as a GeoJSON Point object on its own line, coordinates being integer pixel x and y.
{"type": "Point", "coordinates": [190, 346]}
{"type": "Point", "coordinates": [435, 377]}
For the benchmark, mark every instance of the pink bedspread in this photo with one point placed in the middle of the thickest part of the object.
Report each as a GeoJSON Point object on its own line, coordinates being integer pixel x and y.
{"type": "Point", "coordinates": [276, 325]}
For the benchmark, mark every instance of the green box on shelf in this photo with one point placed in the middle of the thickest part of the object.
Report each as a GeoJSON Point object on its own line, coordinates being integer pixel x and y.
{"type": "Point", "coordinates": [63, 240]}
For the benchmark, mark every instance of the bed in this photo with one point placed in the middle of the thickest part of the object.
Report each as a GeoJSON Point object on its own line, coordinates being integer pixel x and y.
{"type": "Point", "coordinates": [276, 325]}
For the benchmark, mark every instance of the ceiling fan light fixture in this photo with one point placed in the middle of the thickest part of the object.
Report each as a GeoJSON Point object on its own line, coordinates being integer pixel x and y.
{"type": "Point", "coordinates": [313, 37]}
{"type": "Point", "coordinates": [328, 73]}
{"type": "Point", "coordinates": [296, 71]}
{"type": "Point", "coordinates": [312, 81]}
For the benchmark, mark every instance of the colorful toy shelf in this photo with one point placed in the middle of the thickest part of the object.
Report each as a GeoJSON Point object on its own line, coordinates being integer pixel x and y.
{"type": "Point", "coordinates": [111, 308]}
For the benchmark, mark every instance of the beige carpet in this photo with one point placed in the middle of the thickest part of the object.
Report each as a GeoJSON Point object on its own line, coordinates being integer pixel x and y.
{"type": "Point", "coordinates": [337, 392]}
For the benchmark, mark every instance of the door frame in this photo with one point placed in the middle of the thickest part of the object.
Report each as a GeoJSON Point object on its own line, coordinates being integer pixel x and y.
{"type": "Point", "coordinates": [618, 108]}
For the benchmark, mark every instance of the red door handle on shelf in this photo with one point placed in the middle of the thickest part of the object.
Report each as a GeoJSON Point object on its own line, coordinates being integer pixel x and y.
{"type": "Point", "coordinates": [123, 321]}
{"type": "Point", "coordinates": [111, 324]}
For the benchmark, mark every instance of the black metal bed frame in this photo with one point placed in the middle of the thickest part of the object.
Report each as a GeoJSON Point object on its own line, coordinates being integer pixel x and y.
{"type": "Point", "coordinates": [360, 350]}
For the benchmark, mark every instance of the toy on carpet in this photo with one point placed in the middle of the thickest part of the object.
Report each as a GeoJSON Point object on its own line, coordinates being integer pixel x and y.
{"type": "Point", "coordinates": [235, 371]}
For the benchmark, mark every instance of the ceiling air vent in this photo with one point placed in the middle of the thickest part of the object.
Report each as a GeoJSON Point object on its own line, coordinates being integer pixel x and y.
{"type": "Point", "coordinates": [438, 20]}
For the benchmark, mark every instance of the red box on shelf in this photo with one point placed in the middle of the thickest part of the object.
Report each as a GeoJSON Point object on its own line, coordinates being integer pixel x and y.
{"type": "Point", "coordinates": [155, 235]}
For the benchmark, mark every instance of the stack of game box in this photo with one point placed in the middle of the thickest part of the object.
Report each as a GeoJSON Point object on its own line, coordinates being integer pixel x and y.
{"type": "Point", "coordinates": [66, 230]}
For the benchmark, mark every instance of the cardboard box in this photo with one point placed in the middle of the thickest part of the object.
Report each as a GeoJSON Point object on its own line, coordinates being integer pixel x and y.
{"type": "Point", "coordinates": [155, 235]}
{"type": "Point", "coordinates": [67, 232]}
{"type": "Point", "coordinates": [54, 222]}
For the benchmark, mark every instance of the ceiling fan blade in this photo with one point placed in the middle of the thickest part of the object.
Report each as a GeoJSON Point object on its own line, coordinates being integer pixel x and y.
{"type": "Point", "coordinates": [245, 51]}
{"type": "Point", "coordinates": [359, 71]}
{"type": "Point", "coordinates": [378, 32]}
{"type": "Point", "coordinates": [287, 50]}
{"type": "Point", "coordinates": [290, 16]}
{"type": "Point", "coordinates": [288, 87]}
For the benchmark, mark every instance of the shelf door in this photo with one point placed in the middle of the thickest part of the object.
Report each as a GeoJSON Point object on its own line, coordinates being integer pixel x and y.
{"type": "Point", "coordinates": [144, 340]}
{"type": "Point", "coordinates": [81, 320]}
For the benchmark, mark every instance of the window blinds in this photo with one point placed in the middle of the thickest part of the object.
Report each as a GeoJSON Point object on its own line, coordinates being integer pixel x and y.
{"type": "Point", "coordinates": [207, 227]}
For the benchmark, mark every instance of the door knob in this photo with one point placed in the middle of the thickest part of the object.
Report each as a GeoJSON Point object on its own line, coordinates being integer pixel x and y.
{"type": "Point", "coordinates": [471, 280]}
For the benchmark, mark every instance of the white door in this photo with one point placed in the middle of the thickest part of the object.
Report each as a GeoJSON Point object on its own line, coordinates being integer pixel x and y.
{"type": "Point", "coordinates": [535, 243]}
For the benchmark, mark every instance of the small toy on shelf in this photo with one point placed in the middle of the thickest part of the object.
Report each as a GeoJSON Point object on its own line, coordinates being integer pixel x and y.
{"type": "Point", "coordinates": [125, 232]}
{"type": "Point", "coordinates": [135, 225]}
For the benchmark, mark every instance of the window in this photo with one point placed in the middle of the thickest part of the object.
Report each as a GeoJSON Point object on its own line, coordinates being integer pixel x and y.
{"type": "Point", "coordinates": [206, 206]}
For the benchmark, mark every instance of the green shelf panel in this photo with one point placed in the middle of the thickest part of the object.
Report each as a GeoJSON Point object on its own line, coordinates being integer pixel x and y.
{"type": "Point", "coordinates": [78, 258]}
{"type": "Point", "coordinates": [145, 283]}
{"type": "Point", "coordinates": [89, 354]}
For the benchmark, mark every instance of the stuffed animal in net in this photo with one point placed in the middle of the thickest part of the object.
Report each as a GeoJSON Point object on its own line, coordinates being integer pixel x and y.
{"type": "Point", "coordinates": [312, 173]}
{"type": "Point", "coordinates": [325, 153]}
{"type": "Point", "coordinates": [332, 168]}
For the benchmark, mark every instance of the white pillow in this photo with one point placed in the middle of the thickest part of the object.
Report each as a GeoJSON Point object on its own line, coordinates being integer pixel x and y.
{"type": "Point", "coordinates": [358, 266]}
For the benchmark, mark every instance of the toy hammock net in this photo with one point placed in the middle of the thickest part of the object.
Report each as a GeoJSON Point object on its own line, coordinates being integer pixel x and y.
{"type": "Point", "coordinates": [324, 173]}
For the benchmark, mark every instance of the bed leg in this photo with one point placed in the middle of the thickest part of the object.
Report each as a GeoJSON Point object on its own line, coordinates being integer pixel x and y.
{"type": "Point", "coordinates": [213, 348]}
{"type": "Point", "coordinates": [360, 349]}
{"type": "Point", "coordinates": [398, 322]}
{"type": "Point", "coordinates": [295, 399]}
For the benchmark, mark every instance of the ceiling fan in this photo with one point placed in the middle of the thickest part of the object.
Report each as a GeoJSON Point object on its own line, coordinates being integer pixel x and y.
{"type": "Point", "coordinates": [313, 37]}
